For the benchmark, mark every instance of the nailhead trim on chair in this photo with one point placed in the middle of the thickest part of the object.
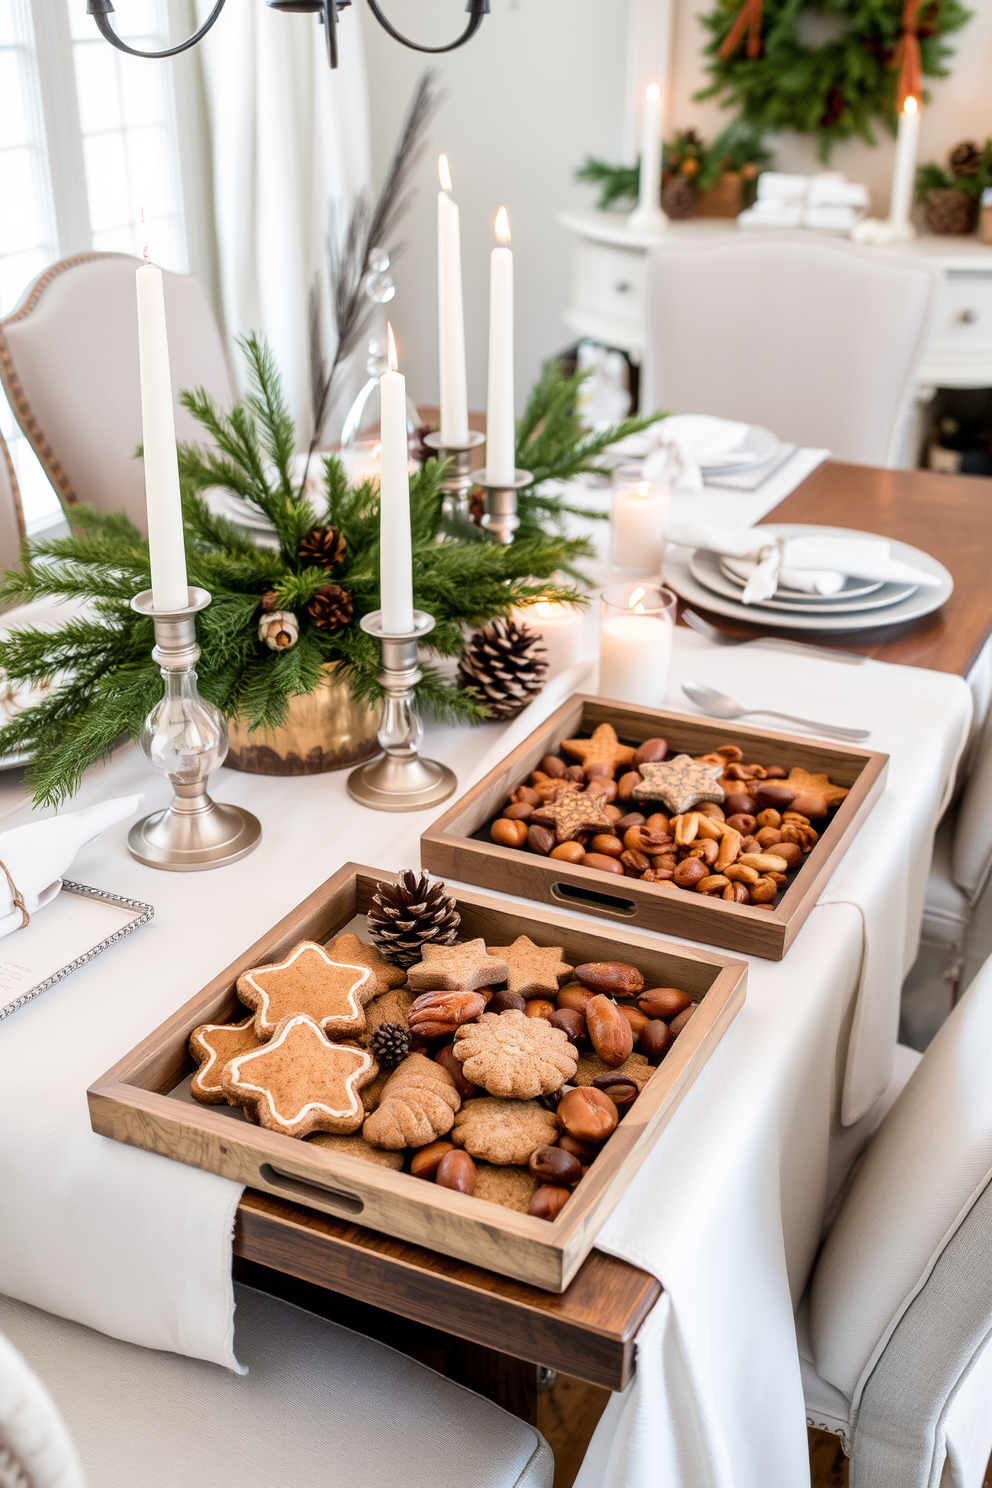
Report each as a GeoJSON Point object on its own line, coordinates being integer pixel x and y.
{"type": "Point", "coordinates": [15, 491]}
{"type": "Point", "coordinates": [12, 383]}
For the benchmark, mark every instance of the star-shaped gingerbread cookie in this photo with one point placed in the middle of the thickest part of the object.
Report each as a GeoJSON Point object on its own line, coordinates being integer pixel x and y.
{"type": "Point", "coordinates": [460, 968]}
{"type": "Point", "coordinates": [603, 748]}
{"type": "Point", "coordinates": [299, 1082]}
{"type": "Point", "coordinates": [680, 783]}
{"type": "Point", "coordinates": [351, 951]}
{"type": "Point", "coordinates": [535, 971]}
{"type": "Point", "coordinates": [570, 815]}
{"type": "Point", "coordinates": [802, 783]}
{"type": "Point", "coordinates": [213, 1046]}
{"type": "Point", "coordinates": [332, 993]}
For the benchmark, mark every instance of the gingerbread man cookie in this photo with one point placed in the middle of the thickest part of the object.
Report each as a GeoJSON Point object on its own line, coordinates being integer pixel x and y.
{"type": "Point", "coordinates": [299, 1082]}
{"type": "Point", "coordinates": [332, 993]}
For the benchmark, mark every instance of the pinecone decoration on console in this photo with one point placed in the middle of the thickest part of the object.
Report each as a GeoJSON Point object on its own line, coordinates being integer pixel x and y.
{"type": "Point", "coordinates": [407, 915]}
{"type": "Point", "coordinates": [965, 159]}
{"type": "Point", "coordinates": [504, 664]}
{"type": "Point", "coordinates": [390, 1043]}
{"type": "Point", "coordinates": [331, 607]}
{"type": "Point", "coordinates": [322, 547]}
{"type": "Point", "coordinates": [678, 199]}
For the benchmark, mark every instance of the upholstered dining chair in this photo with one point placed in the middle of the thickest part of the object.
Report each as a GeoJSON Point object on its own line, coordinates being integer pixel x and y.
{"type": "Point", "coordinates": [813, 338]}
{"type": "Point", "coordinates": [69, 368]}
{"type": "Point", "coordinates": [12, 529]}
{"type": "Point", "coordinates": [320, 1406]}
{"type": "Point", "coordinates": [894, 1330]}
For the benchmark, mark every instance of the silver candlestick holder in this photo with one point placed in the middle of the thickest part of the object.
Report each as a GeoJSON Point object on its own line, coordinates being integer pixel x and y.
{"type": "Point", "coordinates": [399, 780]}
{"type": "Point", "coordinates": [185, 738]}
{"type": "Point", "coordinates": [500, 519]}
{"type": "Point", "coordinates": [459, 480]}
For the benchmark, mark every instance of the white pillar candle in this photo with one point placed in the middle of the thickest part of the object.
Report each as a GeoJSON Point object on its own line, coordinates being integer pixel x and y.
{"type": "Point", "coordinates": [640, 512]}
{"type": "Point", "coordinates": [635, 645]}
{"type": "Point", "coordinates": [648, 211]}
{"type": "Point", "coordinates": [395, 547]}
{"type": "Point", "coordinates": [166, 543]}
{"type": "Point", "coordinates": [560, 627]}
{"type": "Point", "coordinates": [450, 317]}
{"type": "Point", "coordinates": [500, 425]}
{"type": "Point", "coordinates": [904, 168]}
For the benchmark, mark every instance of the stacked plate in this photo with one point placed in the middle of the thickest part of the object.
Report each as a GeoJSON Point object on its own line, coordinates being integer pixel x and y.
{"type": "Point", "coordinates": [717, 584]}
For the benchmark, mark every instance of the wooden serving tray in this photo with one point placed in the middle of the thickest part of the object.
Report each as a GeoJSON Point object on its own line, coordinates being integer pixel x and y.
{"type": "Point", "coordinates": [143, 1100]}
{"type": "Point", "coordinates": [450, 849]}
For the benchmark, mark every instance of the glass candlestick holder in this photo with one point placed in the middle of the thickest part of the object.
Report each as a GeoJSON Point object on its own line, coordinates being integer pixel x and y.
{"type": "Point", "coordinates": [400, 780]}
{"type": "Point", "coordinates": [185, 739]}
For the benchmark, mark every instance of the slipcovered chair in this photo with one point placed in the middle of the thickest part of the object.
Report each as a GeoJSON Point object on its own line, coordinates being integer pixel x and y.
{"type": "Point", "coordinates": [12, 529]}
{"type": "Point", "coordinates": [815, 339]}
{"type": "Point", "coordinates": [69, 368]}
{"type": "Point", "coordinates": [894, 1329]}
{"type": "Point", "coordinates": [320, 1407]}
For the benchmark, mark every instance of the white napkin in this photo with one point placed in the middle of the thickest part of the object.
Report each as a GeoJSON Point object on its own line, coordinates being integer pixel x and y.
{"type": "Point", "coordinates": [861, 558]}
{"type": "Point", "coordinates": [816, 581]}
{"type": "Point", "coordinates": [686, 442]}
{"type": "Point", "coordinates": [37, 855]}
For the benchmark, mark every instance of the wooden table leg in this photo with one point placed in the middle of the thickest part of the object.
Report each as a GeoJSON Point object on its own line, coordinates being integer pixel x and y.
{"type": "Point", "coordinates": [509, 1382]}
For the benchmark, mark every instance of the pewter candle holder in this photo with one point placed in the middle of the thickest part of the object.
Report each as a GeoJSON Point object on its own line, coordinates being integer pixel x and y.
{"type": "Point", "coordinates": [500, 519]}
{"type": "Point", "coordinates": [458, 481]}
{"type": "Point", "coordinates": [399, 780]}
{"type": "Point", "coordinates": [185, 738]}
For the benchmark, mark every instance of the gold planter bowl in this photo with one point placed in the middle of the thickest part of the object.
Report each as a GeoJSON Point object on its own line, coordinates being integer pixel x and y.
{"type": "Point", "coordinates": [326, 730]}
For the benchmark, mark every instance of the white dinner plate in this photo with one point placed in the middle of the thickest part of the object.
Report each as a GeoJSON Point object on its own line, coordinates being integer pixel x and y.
{"type": "Point", "coordinates": [757, 448]}
{"type": "Point", "coordinates": [678, 576]}
{"type": "Point", "coordinates": [853, 588]}
{"type": "Point", "coordinates": [706, 570]}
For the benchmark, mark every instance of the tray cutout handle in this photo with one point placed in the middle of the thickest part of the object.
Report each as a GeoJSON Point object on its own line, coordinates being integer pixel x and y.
{"type": "Point", "coordinates": [305, 1188]}
{"type": "Point", "coordinates": [605, 903]}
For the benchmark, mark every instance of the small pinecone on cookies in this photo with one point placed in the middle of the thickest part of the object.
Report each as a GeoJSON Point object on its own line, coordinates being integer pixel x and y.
{"type": "Point", "coordinates": [322, 547]}
{"type": "Point", "coordinates": [331, 607]}
{"type": "Point", "coordinates": [410, 914]}
{"type": "Point", "coordinates": [390, 1043]}
{"type": "Point", "coordinates": [504, 665]}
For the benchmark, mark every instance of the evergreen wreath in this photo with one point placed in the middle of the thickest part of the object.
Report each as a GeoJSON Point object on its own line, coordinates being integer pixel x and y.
{"type": "Point", "coordinates": [762, 66]}
{"type": "Point", "coordinates": [318, 584]}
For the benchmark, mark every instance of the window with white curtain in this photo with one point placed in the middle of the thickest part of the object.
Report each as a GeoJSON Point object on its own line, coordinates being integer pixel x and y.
{"type": "Point", "coordinates": [73, 107]}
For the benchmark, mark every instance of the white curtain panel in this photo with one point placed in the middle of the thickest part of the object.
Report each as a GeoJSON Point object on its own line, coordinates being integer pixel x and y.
{"type": "Point", "coordinates": [290, 145]}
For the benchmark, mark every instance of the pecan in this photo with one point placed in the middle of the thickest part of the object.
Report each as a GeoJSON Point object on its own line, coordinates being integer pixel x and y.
{"type": "Point", "coordinates": [436, 1013]}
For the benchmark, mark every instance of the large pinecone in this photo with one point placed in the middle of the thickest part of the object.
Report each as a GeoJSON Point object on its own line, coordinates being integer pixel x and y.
{"type": "Point", "coordinates": [331, 607]}
{"type": "Point", "coordinates": [410, 914]}
{"type": "Point", "coordinates": [322, 547]}
{"type": "Point", "coordinates": [504, 664]}
{"type": "Point", "coordinates": [965, 159]}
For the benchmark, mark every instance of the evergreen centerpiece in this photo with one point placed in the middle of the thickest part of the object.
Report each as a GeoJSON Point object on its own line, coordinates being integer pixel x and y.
{"type": "Point", "coordinates": [278, 616]}
{"type": "Point", "coordinates": [689, 166]}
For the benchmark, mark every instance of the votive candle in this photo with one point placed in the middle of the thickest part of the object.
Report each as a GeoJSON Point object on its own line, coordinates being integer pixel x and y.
{"type": "Point", "coordinates": [640, 512]}
{"type": "Point", "coordinates": [635, 644]}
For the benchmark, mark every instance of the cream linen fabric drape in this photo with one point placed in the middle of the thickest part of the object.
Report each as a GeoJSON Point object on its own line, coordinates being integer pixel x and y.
{"type": "Point", "coordinates": [290, 143]}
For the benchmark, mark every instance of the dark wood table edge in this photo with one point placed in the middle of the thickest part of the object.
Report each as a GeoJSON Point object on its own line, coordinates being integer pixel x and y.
{"type": "Point", "coordinates": [589, 1331]}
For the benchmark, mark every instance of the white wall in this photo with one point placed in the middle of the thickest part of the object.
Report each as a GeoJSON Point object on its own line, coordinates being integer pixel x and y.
{"type": "Point", "coordinates": [539, 87]}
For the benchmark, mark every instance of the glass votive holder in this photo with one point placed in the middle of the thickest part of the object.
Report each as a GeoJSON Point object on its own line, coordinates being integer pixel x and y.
{"type": "Point", "coordinates": [636, 626]}
{"type": "Point", "coordinates": [560, 627]}
{"type": "Point", "coordinates": [640, 514]}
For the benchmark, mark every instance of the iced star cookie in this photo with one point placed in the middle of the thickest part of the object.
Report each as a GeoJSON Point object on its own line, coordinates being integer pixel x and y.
{"type": "Point", "coordinates": [299, 1082]}
{"type": "Point", "coordinates": [331, 992]}
{"type": "Point", "coordinates": [350, 951]}
{"type": "Point", "coordinates": [213, 1046]}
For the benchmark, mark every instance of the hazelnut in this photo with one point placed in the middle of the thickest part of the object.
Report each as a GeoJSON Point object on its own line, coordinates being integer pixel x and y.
{"type": "Point", "coordinates": [508, 833]}
{"type": "Point", "coordinates": [456, 1170]}
{"type": "Point", "coordinates": [555, 1165]}
{"type": "Point", "coordinates": [553, 766]}
{"type": "Point", "coordinates": [571, 1023]}
{"type": "Point", "coordinates": [568, 852]}
{"type": "Point", "coordinates": [503, 1002]}
{"type": "Point", "coordinates": [575, 772]}
{"type": "Point", "coordinates": [548, 1202]}
{"type": "Point", "coordinates": [769, 818]}
{"type": "Point", "coordinates": [587, 1113]}
{"type": "Point", "coordinates": [605, 842]}
{"type": "Point", "coordinates": [764, 891]}
{"type": "Point", "coordinates": [517, 811]}
{"type": "Point", "coordinates": [539, 1007]}
{"type": "Point", "coordinates": [742, 822]}
{"type": "Point", "coordinates": [689, 872]}
{"type": "Point", "coordinates": [768, 836]}
{"type": "Point", "coordinates": [540, 840]}
{"type": "Point", "coordinates": [426, 1160]}
{"type": "Point", "coordinates": [740, 803]}
{"type": "Point", "coordinates": [790, 851]}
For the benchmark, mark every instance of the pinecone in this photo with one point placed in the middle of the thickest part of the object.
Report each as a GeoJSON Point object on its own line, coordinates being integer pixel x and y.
{"type": "Point", "coordinates": [950, 211]}
{"type": "Point", "coordinates": [410, 914]}
{"type": "Point", "coordinates": [322, 547]}
{"type": "Point", "coordinates": [390, 1043]}
{"type": "Point", "coordinates": [504, 664]}
{"type": "Point", "coordinates": [331, 607]}
{"type": "Point", "coordinates": [678, 199]}
{"type": "Point", "coordinates": [269, 601]}
{"type": "Point", "coordinates": [965, 159]}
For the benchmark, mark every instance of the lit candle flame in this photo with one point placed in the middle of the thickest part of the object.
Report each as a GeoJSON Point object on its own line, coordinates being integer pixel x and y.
{"type": "Point", "coordinates": [444, 172]}
{"type": "Point", "coordinates": [543, 606]}
{"type": "Point", "coordinates": [635, 601]}
{"type": "Point", "coordinates": [912, 104]}
{"type": "Point", "coordinates": [653, 93]}
{"type": "Point", "coordinates": [503, 227]}
{"type": "Point", "coordinates": [391, 348]}
{"type": "Point", "coordinates": [643, 488]}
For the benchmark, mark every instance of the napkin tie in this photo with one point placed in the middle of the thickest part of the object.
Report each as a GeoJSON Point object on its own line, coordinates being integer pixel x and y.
{"type": "Point", "coordinates": [17, 897]}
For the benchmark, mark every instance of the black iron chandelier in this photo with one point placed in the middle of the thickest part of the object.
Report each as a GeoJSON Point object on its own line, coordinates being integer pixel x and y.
{"type": "Point", "coordinates": [325, 10]}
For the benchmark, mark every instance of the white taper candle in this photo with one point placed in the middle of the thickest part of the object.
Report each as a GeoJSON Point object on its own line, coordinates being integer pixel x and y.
{"type": "Point", "coordinates": [648, 213]}
{"type": "Point", "coordinates": [395, 547]}
{"type": "Point", "coordinates": [166, 543]}
{"type": "Point", "coordinates": [500, 425]}
{"type": "Point", "coordinates": [451, 317]}
{"type": "Point", "coordinates": [904, 167]}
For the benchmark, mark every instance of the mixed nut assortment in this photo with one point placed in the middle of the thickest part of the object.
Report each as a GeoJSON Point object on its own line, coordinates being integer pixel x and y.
{"type": "Point", "coordinates": [711, 824]}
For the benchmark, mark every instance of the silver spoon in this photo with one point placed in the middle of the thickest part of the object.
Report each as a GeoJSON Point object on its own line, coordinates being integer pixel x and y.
{"type": "Point", "coordinates": [719, 705]}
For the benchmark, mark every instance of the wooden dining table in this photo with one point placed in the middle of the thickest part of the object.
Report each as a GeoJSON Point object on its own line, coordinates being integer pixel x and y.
{"type": "Point", "coordinates": [502, 1337]}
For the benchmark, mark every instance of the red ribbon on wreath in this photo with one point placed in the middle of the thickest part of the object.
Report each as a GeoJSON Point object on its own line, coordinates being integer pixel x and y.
{"type": "Point", "coordinates": [907, 57]}
{"type": "Point", "coordinates": [748, 19]}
